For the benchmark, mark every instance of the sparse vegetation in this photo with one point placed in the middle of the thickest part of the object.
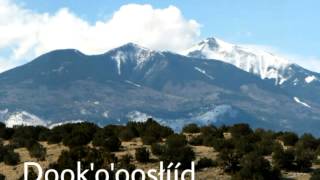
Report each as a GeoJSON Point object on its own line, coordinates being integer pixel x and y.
{"type": "Point", "coordinates": [241, 152]}
{"type": "Point", "coordinates": [191, 128]}
{"type": "Point", "coordinates": [205, 163]}
{"type": "Point", "coordinates": [142, 155]}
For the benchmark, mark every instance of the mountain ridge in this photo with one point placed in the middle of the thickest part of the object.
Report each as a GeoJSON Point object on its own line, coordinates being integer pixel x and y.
{"type": "Point", "coordinates": [67, 85]}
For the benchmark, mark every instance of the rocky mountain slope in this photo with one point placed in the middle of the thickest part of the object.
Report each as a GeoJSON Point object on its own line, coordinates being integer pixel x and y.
{"type": "Point", "coordinates": [132, 83]}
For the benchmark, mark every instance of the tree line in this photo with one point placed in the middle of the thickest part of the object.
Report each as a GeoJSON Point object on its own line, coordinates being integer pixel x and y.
{"type": "Point", "coordinates": [243, 151]}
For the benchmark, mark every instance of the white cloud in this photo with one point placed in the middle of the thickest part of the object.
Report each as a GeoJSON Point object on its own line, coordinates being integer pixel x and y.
{"type": "Point", "coordinates": [25, 34]}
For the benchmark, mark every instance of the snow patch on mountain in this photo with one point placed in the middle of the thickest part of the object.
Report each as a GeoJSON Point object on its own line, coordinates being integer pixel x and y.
{"type": "Point", "coordinates": [137, 116]}
{"type": "Point", "coordinates": [65, 122]}
{"type": "Point", "coordinates": [24, 118]}
{"type": "Point", "coordinates": [300, 102]}
{"type": "Point", "coordinates": [203, 72]}
{"type": "Point", "coordinates": [264, 64]}
{"type": "Point", "coordinates": [132, 83]}
{"type": "Point", "coordinates": [131, 52]}
{"type": "Point", "coordinates": [309, 79]}
{"type": "Point", "coordinates": [212, 115]}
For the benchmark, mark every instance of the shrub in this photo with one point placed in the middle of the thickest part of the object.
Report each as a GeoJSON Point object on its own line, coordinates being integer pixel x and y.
{"type": "Point", "coordinates": [142, 155]}
{"type": "Point", "coordinates": [157, 149]}
{"type": "Point", "coordinates": [243, 145]}
{"type": "Point", "coordinates": [289, 138]}
{"type": "Point", "coordinates": [125, 163]}
{"type": "Point", "coordinates": [307, 141]}
{"type": "Point", "coordinates": [154, 129]}
{"type": "Point", "coordinates": [239, 130]}
{"type": "Point", "coordinates": [229, 159]}
{"type": "Point", "coordinates": [205, 163]}
{"type": "Point", "coordinates": [176, 141]}
{"type": "Point", "coordinates": [127, 134]}
{"type": "Point", "coordinates": [283, 159]}
{"type": "Point", "coordinates": [30, 133]}
{"type": "Point", "coordinates": [254, 166]}
{"type": "Point", "coordinates": [148, 140]}
{"type": "Point", "coordinates": [54, 138]}
{"type": "Point", "coordinates": [264, 147]}
{"type": "Point", "coordinates": [304, 158]}
{"type": "Point", "coordinates": [315, 175]}
{"type": "Point", "coordinates": [22, 142]}
{"type": "Point", "coordinates": [2, 125]}
{"type": "Point", "coordinates": [191, 128]}
{"type": "Point", "coordinates": [176, 150]}
{"type": "Point", "coordinates": [11, 158]}
{"type": "Point", "coordinates": [6, 133]}
{"type": "Point", "coordinates": [87, 155]}
{"type": "Point", "coordinates": [38, 151]}
{"type": "Point", "coordinates": [31, 175]}
{"type": "Point", "coordinates": [80, 134]}
{"type": "Point", "coordinates": [76, 138]}
{"type": "Point", "coordinates": [109, 143]}
{"type": "Point", "coordinates": [2, 177]}
{"type": "Point", "coordinates": [196, 141]}
{"type": "Point", "coordinates": [220, 144]}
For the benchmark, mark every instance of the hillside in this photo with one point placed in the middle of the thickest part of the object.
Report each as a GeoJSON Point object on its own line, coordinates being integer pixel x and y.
{"type": "Point", "coordinates": [219, 153]}
{"type": "Point", "coordinates": [132, 83]}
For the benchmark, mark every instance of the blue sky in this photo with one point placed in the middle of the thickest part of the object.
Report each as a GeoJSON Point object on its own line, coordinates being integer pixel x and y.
{"type": "Point", "coordinates": [290, 25]}
{"type": "Point", "coordinates": [287, 27]}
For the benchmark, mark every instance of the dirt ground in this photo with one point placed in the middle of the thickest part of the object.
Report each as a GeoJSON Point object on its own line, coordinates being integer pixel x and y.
{"type": "Point", "coordinates": [54, 151]}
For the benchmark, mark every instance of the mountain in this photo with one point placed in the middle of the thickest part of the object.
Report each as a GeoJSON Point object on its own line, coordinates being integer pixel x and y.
{"type": "Point", "coordinates": [294, 79]}
{"type": "Point", "coordinates": [132, 83]}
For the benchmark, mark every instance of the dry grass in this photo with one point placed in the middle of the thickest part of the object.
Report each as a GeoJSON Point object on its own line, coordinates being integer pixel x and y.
{"type": "Point", "coordinates": [54, 151]}
{"type": "Point", "coordinates": [15, 172]}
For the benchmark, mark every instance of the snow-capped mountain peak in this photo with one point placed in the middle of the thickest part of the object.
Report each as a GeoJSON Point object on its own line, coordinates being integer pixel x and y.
{"type": "Point", "coordinates": [131, 52]}
{"type": "Point", "coordinates": [259, 62]}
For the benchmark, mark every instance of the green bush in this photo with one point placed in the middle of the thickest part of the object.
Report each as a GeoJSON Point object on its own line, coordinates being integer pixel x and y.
{"type": "Point", "coordinates": [127, 134]}
{"type": "Point", "coordinates": [315, 175]}
{"type": "Point", "coordinates": [205, 163]}
{"type": "Point", "coordinates": [80, 134]}
{"type": "Point", "coordinates": [142, 155]}
{"type": "Point", "coordinates": [289, 138]}
{"type": "Point", "coordinates": [38, 151]}
{"type": "Point", "coordinates": [2, 177]}
{"type": "Point", "coordinates": [31, 175]}
{"type": "Point", "coordinates": [243, 145]}
{"type": "Point", "coordinates": [148, 140]}
{"type": "Point", "coordinates": [108, 142]}
{"type": "Point", "coordinates": [307, 141]}
{"type": "Point", "coordinates": [220, 144]}
{"type": "Point", "coordinates": [87, 155]}
{"type": "Point", "coordinates": [283, 159]}
{"type": "Point", "coordinates": [6, 133]}
{"type": "Point", "coordinates": [176, 150]}
{"type": "Point", "coordinates": [304, 158]}
{"type": "Point", "coordinates": [176, 141]}
{"type": "Point", "coordinates": [125, 163]}
{"type": "Point", "coordinates": [229, 160]}
{"type": "Point", "coordinates": [239, 130]}
{"type": "Point", "coordinates": [254, 166]}
{"type": "Point", "coordinates": [191, 128]}
{"type": "Point", "coordinates": [54, 138]}
{"type": "Point", "coordinates": [264, 147]}
{"type": "Point", "coordinates": [196, 140]}
{"type": "Point", "coordinates": [157, 149]}
{"type": "Point", "coordinates": [11, 158]}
